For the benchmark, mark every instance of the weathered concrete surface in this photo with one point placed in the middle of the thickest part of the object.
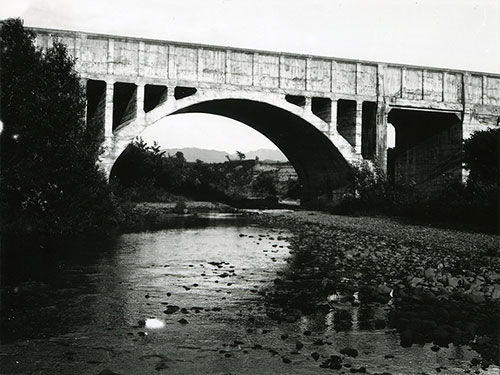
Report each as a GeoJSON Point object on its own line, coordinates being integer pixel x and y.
{"type": "Point", "coordinates": [215, 72]}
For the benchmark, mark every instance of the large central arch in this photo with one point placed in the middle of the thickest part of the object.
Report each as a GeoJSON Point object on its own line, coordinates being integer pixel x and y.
{"type": "Point", "coordinates": [320, 164]}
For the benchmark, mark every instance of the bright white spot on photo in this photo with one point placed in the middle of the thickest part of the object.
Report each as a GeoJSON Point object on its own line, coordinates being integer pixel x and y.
{"type": "Point", "coordinates": [154, 323]}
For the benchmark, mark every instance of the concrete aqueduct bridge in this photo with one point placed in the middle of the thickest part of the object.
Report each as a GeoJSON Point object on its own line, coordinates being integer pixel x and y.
{"type": "Point", "coordinates": [322, 112]}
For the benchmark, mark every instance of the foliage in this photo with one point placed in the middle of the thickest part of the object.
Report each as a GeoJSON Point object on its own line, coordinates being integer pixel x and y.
{"type": "Point", "coordinates": [50, 181]}
{"type": "Point", "coordinates": [293, 189]}
{"type": "Point", "coordinates": [373, 193]}
{"type": "Point", "coordinates": [240, 155]}
{"type": "Point", "coordinates": [481, 156]}
{"type": "Point", "coordinates": [143, 173]}
{"type": "Point", "coordinates": [473, 204]}
{"type": "Point", "coordinates": [264, 184]}
{"type": "Point", "coordinates": [180, 207]}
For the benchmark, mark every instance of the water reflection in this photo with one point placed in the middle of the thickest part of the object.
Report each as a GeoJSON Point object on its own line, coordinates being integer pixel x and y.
{"type": "Point", "coordinates": [214, 294]}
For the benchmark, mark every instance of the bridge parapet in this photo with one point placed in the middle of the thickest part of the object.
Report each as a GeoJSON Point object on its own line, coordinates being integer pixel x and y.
{"type": "Point", "coordinates": [126, 59]}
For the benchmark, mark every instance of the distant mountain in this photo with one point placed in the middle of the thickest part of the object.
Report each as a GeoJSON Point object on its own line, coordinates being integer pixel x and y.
{"type": "Point", "coordinates": [213, 156]}
{"type": "Point", "coordinates": [193, 153]}
{"type": "Point", "coordinates": [266, 154]}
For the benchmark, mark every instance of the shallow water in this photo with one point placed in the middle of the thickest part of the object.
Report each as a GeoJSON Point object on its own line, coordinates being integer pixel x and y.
{"type": "Point", "coordinates": [200, 298]}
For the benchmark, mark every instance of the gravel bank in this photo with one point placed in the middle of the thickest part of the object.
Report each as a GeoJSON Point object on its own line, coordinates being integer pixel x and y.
{"type": "Point", "coordinates": [387, 227]}
{"type": "Point", "coordinates": [439, 286]}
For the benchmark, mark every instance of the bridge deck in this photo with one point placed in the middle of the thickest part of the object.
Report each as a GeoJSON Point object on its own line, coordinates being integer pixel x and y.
{"type": "Point", "coordinates": [126, 59]}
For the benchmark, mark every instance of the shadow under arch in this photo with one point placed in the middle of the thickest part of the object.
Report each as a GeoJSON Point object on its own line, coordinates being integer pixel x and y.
{"type": "Point", "coordinates": [321, 167]}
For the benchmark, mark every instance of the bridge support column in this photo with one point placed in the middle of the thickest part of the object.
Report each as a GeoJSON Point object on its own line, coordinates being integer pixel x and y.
{"type": "Point", "coordinates": [381, 136]}
{"type": "Point", "coordinates": [333, 121]}
{"type": "Point", "coordinates": [308, 104]}
{"type": "Point", "coordinates": [108, 116]}
{"type": "Point", "coordinates": [140, 115]}
{"type": "Point", "coordinates": [358, 128]}
{"type": "Point", "coordinates": [83, 83]}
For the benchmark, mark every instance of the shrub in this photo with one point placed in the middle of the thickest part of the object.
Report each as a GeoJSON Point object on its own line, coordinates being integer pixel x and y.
{"type": "Point", "coordinates": [481, 156]}
{"type": "Point", "coordinates": [264, 185]}
{"type": "Point", "coordinates": [180, 207]}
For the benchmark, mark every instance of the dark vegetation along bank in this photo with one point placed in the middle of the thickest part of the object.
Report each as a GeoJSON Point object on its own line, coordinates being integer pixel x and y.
{"type": "Point", "coordinates": [470, 205]}
{"type": "Point", "coordinates": [144, 173]}
{"type": "Point", "coordinates": [50, 182]}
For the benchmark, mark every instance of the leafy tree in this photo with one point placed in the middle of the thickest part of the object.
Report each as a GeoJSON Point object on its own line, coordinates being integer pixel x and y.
{"type": "Point", "coordinates": [481, 156]}
{"type": "Point", "coordinates": [50, 182]}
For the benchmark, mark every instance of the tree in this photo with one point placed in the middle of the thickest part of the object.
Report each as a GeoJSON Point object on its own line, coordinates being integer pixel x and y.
{"type": "Point", "coordinates": [50, 182]}
{"type": "Point", "coordinates": [481, 156]}
{"type": "Point", "coordinates": [240, 155]}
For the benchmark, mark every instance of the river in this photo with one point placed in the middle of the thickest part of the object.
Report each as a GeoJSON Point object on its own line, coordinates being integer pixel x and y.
{"type": "Point", "coordinates": [199, 298]}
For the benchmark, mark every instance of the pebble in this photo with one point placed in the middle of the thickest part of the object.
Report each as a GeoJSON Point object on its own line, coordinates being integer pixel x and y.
{"type": "Point", "coordinates": [334, 363]}
{"type": "Point", "coordinates": [361, 370]}
{"type": "Point", "coordinates": [108, 372]}
{"type": "Point", "coordinates": [171, 309]}
{"type": "Point", "coordinates": [383, 289]}
{"type": "Point", "coordinates": [495, 294]}
{"type": "Point", "coordinates": [476, 297]}
{"type": "Point", "coordinates": [430, 274]}
{"type": "Point", "coordinates": [350, 352]}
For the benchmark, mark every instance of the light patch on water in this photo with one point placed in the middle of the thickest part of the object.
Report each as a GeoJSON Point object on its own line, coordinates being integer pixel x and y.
{"type": "Point", "coordinates": [154, 323]}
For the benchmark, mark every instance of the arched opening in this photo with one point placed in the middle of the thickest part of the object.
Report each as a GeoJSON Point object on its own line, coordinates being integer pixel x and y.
{"type": "Point", "coordinates": [323, 172]}
{"type": "Point", "coordinates": [321, 168]}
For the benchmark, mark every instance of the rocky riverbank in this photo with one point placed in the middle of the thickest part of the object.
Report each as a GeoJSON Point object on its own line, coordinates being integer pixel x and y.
{"type": "Point", "coordinates": [436, 286]}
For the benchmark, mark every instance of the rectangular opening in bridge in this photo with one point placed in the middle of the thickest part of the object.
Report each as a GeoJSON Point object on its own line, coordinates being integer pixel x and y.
{"type": "Point", "coordinates": [96, 103]}
{"type": "Point", "coordinates": [124, 103]}
{"type": "Point", "coordinates": [428, 148]}
{"type": "Point", "coordinates": [181, 92]}
{"type": "Point", "coordinates": [391, 144]}
{"type": "Point", "coordinates": [368, 129]}
{"type": "Point", "coordinates": [298, 100]}
{"type": "Point", "coordinates": [346, 120]}
{"type": "Point", "coordinates": [154, 95]}
{"type": "Point", "coordinates": [322, 107]}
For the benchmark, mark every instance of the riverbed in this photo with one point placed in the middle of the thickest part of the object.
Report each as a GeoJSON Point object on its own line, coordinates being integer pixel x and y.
{"type": "Point", "coordinates": [212, 294]}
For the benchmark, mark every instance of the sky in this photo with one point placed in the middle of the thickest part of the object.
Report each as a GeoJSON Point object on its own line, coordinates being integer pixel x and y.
{"type": "Point", "coordinates": [458, 34]}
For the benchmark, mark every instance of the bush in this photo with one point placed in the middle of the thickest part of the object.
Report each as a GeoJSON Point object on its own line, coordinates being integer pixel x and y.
{"type": "Point", "coordinates": [180, 207]}
{"type": "Point", "coordinates": [264, 185]}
